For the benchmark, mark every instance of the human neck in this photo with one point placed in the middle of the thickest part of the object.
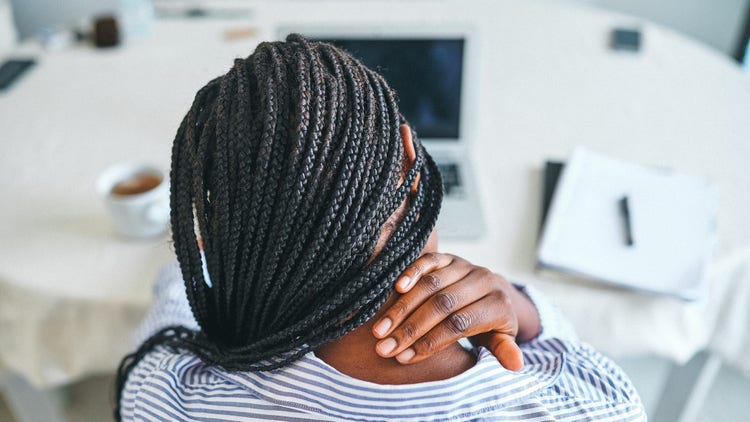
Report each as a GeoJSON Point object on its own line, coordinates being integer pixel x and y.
{"type": "Point", "coordinates": [354, 355]}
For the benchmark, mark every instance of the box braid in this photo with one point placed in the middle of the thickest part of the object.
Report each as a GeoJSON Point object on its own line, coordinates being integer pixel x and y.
{"type": "Point", "coordinates": [287, 167]}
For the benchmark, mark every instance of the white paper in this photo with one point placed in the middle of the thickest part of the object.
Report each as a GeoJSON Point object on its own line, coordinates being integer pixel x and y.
{"type": "Point", "coordinates": [673, 221]}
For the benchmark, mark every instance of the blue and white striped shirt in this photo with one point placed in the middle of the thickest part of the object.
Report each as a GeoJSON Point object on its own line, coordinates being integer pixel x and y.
{"type": "Point", "coordinates": [562, 379]}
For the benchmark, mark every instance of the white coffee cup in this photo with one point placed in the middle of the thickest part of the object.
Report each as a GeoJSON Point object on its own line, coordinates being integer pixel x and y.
{"type": "Point", "coordinates": [137, 196]}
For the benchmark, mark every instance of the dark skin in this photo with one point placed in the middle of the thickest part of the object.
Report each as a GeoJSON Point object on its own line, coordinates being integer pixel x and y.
{"type": "Point", "coordinates": [453, 299]}
{"type": "Point", "coordinates": [439, 299]}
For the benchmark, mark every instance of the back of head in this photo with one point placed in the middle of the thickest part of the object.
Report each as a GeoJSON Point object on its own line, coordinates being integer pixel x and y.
{"type": "Point", "coordinates": [286, 168]}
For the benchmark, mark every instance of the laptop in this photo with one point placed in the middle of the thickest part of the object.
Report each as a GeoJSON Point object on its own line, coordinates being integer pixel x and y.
{"type": "Point", "coordinates": [429, 68]}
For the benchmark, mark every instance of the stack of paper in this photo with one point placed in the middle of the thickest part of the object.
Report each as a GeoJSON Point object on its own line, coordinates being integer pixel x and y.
{"type": "Point", "coordinates": [672, 222]}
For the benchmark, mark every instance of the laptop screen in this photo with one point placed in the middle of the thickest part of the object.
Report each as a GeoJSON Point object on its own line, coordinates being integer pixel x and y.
{"type": "Point", "coordinates": [426, 74]}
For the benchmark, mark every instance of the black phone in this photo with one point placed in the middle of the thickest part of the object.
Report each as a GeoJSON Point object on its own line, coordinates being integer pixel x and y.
{"type": "Point", "coordinates": [12, 69]}
{"type": "Point", "coordinates": [628, 39]}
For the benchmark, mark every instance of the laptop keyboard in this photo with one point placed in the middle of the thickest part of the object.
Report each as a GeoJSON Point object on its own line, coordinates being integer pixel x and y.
{"type": "Point", "coordinates": [451, 178]}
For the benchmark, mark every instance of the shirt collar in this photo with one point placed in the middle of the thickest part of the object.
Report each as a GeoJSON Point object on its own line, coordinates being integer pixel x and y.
{"type": "Point", "coordinates": [311, 385]}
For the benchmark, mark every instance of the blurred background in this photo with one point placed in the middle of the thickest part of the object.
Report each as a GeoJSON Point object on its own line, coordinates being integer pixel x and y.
{"type": "Point", "coordinates": [718, 24]}
{"type": "Point", "coordinates": [93, 83]}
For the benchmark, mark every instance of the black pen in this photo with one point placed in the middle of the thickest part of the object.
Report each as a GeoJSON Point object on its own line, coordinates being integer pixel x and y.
{"type": "Point", "coordinates": [625, 213]}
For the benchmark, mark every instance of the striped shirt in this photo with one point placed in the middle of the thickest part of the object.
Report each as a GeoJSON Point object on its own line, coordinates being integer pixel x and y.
{"type": "Point", "coordinates": [562, 379]}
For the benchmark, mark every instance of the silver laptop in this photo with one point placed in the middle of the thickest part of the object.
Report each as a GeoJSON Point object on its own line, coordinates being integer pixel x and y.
{"type": "Point", "coordinates": [429, 68]}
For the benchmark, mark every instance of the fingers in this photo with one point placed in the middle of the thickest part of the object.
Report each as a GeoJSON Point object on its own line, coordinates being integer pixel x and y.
{"type": "Point", "coordinates": [427, 286]}
{"type": "Point", "coordinates": [423, 265]}
{"type": "Point", "coordinates": [506, 351]}
{"type": "Point", "coordinates": [445, 298]}
{"type": "Point", "coordinates": [469, 321]}
{"type": "Point", "coordinates": [449, 315]}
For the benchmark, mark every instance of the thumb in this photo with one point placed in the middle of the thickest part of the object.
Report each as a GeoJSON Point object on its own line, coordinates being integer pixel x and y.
{"type": "Point", "coordinates": [506, 351]}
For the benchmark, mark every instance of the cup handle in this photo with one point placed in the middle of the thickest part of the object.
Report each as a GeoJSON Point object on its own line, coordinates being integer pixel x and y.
{"type": "Point", "coordinates": [158, 212]}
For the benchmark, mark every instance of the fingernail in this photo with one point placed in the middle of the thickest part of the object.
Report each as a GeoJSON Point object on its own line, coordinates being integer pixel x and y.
{"type": "Point", "coordinates": [412, 281]}
{"type": "Point", "coordinates": [403, 282]}
{"type": "Point", "coordinates": [406, 355]}
{"type": "Point", "coordinates": [406, 283]}
{"type": "Point", "coordinates": [381, 328]}
{"type": "Point", "coordinates": [386, 346]}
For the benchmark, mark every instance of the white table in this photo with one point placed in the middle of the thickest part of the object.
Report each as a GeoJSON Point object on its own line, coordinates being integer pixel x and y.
{"type": "Point", "coordinates": [71, 292]}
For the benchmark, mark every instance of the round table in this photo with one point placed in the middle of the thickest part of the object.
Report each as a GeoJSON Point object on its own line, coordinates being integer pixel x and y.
{"type": "Point", "coordinates": [72, 293]}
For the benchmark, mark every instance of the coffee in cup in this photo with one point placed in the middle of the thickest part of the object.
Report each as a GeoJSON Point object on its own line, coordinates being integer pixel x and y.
{"type": "Point", "coordinates": [138, 183]}
{"type": "Point", "coordinates": [137, 197]}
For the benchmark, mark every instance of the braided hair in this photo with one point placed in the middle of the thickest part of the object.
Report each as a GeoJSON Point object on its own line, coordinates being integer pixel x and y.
{"type": "Point", "coordinates": [286, 168]}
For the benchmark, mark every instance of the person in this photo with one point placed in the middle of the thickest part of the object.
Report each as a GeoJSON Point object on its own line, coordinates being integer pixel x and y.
{"type": "Point", "coordinates": [308, 284]}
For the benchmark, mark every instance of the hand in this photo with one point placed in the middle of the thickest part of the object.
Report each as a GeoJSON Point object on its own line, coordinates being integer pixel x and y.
{"type": "Point", "coordinates": [445, 298]}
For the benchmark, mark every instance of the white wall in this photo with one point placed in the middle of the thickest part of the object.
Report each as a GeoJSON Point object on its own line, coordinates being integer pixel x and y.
{"type": "Point", "coordinates": [717, 23]}
{"type": "Point", "coordinates": [32, 16]}
{"type": "Point", "coordinates": [7, 30]}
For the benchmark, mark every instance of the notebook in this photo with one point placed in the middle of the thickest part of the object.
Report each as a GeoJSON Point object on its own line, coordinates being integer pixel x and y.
{"type": "Point", "coordinates": [431, 68]}
{"type": "Point", "coordinates": [672, 222]}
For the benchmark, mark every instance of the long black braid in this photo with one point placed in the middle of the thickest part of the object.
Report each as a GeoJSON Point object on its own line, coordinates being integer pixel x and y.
{"type": "Point", "coordinates": [287, 167]}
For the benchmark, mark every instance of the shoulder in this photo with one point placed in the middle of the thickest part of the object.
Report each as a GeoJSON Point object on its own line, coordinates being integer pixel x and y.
{"type": "Point", "coordinates": [166, 385]}
{"type": "Point", "coordinates": [163, 383]}
{"type": "Point", "coordinates": [583, 379]}
{"type": "Point", "coordinates": [178, 386]}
